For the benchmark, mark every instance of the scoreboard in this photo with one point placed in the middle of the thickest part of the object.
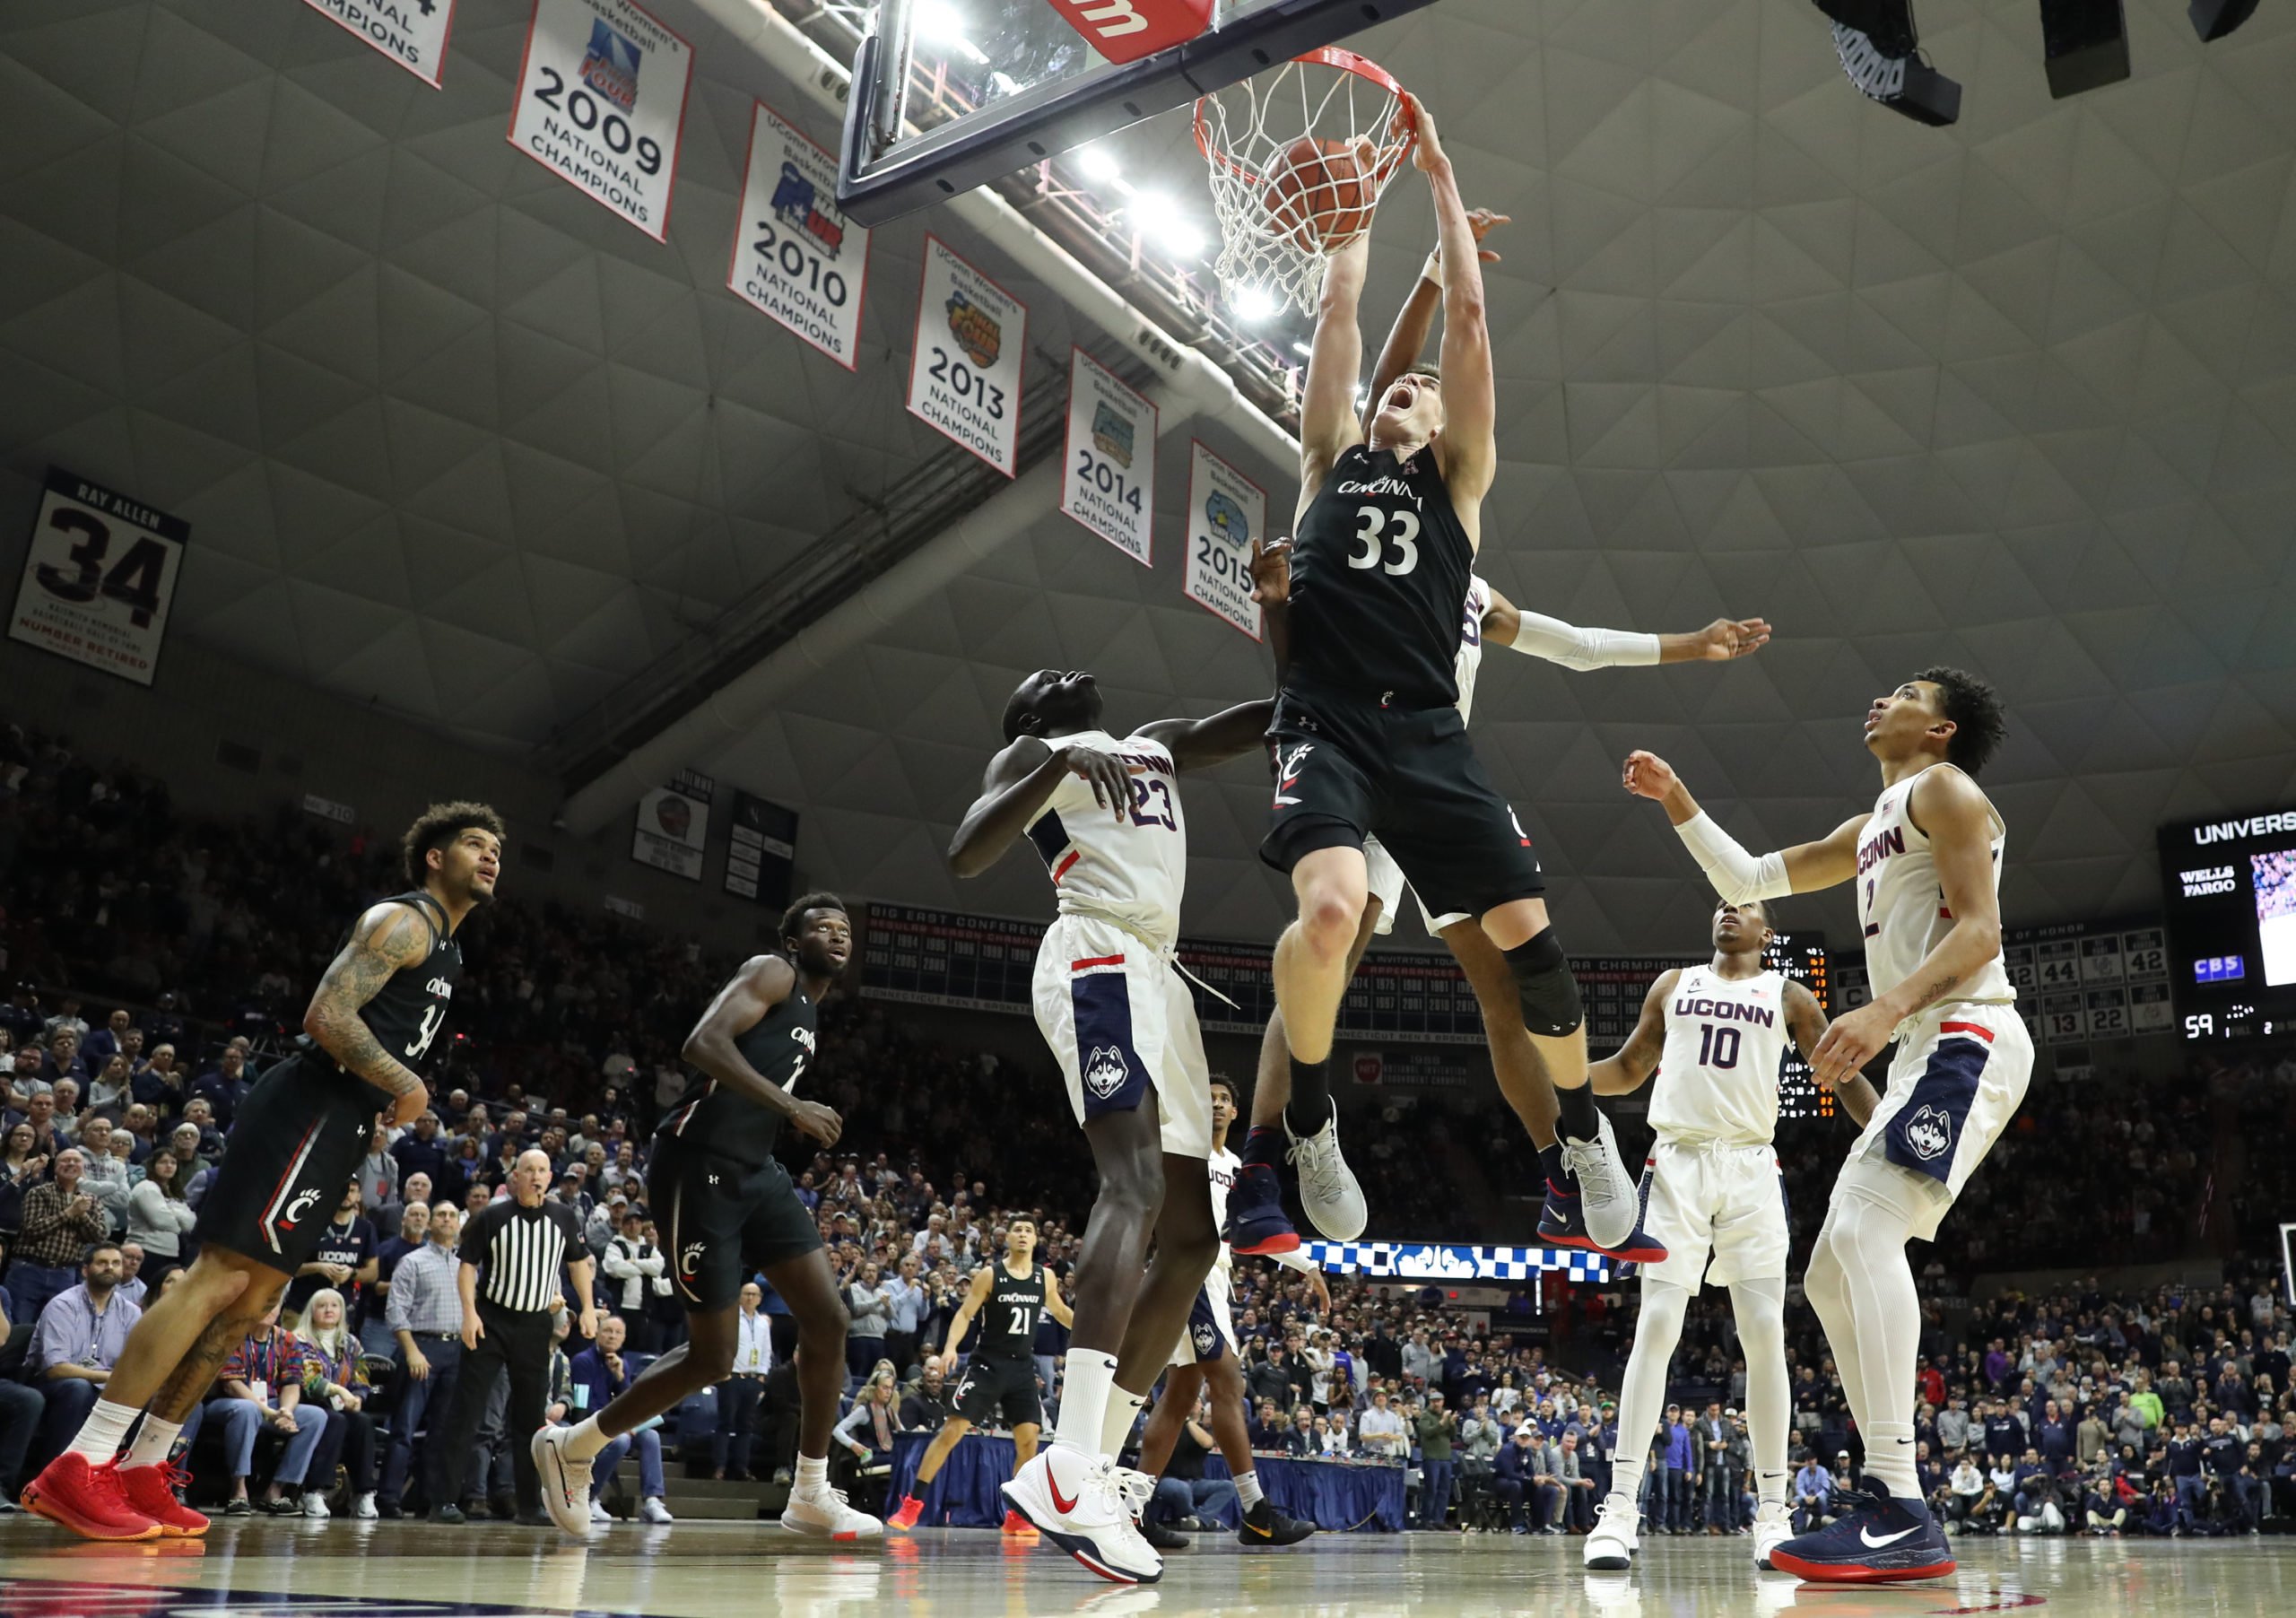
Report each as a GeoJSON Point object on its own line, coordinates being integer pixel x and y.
{"type": "Point", "coordinates": [2229, 891]}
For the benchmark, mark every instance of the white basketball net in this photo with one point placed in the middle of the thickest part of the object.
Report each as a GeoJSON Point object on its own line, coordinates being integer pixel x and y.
{"type": "Point", "coordinates": [1246, 132]}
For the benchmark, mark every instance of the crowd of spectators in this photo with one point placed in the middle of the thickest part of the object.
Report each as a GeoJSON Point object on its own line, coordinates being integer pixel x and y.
{"type": "Point", "coordinates": [178, 948]}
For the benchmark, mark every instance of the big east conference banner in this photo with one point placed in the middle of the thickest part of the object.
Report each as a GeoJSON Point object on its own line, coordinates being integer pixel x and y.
{"type": "Point", "coordinates": [601, 100]}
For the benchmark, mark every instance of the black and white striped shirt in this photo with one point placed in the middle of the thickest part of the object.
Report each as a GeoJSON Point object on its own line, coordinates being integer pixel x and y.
{"type": "Point", "coordinates": [521, 1253]}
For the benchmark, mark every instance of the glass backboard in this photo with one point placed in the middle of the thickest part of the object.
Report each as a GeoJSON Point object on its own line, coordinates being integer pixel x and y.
{"type": "Point", "coordinates": [949, 94]}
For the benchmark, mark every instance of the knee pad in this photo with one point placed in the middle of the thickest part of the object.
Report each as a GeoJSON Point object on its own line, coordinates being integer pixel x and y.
{"type": "Point", "coordinates": [1544, 983]}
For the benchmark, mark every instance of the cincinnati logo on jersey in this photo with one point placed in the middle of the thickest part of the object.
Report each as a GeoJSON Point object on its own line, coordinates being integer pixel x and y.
{"type": "Point", "coordinates": [1929, 1132]}
{"type": "Point", "coordinates": [1105, 1071]}
{"type": "Point", "coordinates": [1287, 772]}
{"type": "Point", "coordinates": [298, 1208]}
{"type": "Point", "coordinates": [689, 1260]}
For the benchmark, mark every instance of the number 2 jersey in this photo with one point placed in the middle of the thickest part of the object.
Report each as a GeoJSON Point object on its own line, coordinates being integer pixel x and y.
{"type": "Point", "coordinates": [779, 1046]}
{"type": "Point", "coordinates": [1379, 568]}
{"type": "Point", "coordinates": [1900, 906]}
{"type": "Point", "coordinates": [1128, 868]}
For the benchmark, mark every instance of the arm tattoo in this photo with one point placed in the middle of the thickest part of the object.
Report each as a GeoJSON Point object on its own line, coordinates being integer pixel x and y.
{"type": "Point", "coordinates": [356, 975]}
{"type": "Point", "coordinates": [1935, 991]}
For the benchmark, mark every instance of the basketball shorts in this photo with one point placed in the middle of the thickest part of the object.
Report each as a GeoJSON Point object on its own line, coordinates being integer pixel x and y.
{"type": "Point", "coordinates": [1122, 1023]}
{"type": "Point", "coordinates": [295, 1142]}
{"type": "Point", "coordinates": [720, 1218]}
{"type": "Point", "coordinates": [1718, 1208]}
{"type": "Point", "coordinates": [1348, 769]}
{"type": "Point", "coordinates": [1389, 887]}
{"type": "Point", "coordinates": [1959, 1077]}
{"type": "Point", "coordinates": [1210, 1333]}
{"type": "Point", "coordinates": [1000, 1392]}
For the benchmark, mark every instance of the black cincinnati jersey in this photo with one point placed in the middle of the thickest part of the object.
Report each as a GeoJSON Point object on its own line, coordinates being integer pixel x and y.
{"type": "Point", "coordinates": [408, 1011]}
{"type": "Point", "coordinates": [780, 1047]}
{"type": "Point", "coordinates": [1380, 567]}
{"type": "Point", "coordinates": [1006, 1326]}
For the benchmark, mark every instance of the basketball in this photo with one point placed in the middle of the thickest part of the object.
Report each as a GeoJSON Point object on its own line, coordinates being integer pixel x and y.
{"type": "Point", "coordinates": [1317, 198]}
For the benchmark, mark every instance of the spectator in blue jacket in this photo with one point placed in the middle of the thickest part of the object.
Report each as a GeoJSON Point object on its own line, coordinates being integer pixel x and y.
{"type": "Point", "coordinates": [1813, 1496]}
{"type": "Point", "coordinates": [598, 1377]}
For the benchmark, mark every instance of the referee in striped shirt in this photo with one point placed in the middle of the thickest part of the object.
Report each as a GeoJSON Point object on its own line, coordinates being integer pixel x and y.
{"type": "Point", "coordinates": [512, 1252]}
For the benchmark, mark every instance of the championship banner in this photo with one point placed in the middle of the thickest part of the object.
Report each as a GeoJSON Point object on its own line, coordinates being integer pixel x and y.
{"type": "Point", "coordinates": [760, 851]}
{"type": "Point", "coordinates": [99, 576]}
{"type": "Point", "coordinates": [1226, 511]}
{"type": "Point", "coordinates": [1429, 1067]}
{"type": "Point", "coordinates": [964, 369]}
{"type": "Point", "coordinates": [601, 102]}
{"type": "Point", "coordinates": [796, 258]}
{"type": "Point", "coordinates": [411, 33]}
{"type": "Point", "coordinates": [674, 825]}
{"type": "Point", "coordinates": [1109, 481]}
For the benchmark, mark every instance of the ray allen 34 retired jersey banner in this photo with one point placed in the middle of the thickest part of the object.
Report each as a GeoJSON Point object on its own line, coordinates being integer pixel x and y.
{"type": "Point", "coordinates": [99, 577]}
{"type": "Point", "coordinates": [601, 100]}
{"type": "Point", "coordinates": [964, 374]}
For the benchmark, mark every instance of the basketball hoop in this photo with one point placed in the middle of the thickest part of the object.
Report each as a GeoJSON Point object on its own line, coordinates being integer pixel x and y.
{"type": "Point", "coordinates": [1299, 158]}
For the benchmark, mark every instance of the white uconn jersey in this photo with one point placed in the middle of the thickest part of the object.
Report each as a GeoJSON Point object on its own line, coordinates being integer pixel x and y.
{"type": "Point", "coordinates": [1899, 904]}
{"type": "Point", "coordinates": [1223, 1167]}
{"type": "Point", "coordinates": [1127, 867]}
{"type": "Point", "coordinates": [1717, 1076]}
{"type": "Point", "coordinates": [1469, 662]}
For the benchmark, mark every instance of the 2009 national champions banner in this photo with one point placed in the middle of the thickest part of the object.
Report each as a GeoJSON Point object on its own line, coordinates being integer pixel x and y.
{"type": "Point", "coordinates": [601, 104]}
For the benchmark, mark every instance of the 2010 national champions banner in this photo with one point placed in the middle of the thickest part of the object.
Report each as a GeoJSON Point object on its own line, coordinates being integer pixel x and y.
{"type": "Point", "coordinates": [411, 33]}
{"type": "Point", "coordinates": [797, 257]}
{"type": "Point", "coordinates": [601, 104]}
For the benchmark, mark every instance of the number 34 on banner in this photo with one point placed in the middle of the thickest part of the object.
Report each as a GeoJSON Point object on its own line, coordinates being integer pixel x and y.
{"type": "Point", "coordinates": [602, 99]}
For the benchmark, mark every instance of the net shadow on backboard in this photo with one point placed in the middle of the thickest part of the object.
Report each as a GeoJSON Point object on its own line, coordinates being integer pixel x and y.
{"type": "Point", "coordinates": [1041, 92]}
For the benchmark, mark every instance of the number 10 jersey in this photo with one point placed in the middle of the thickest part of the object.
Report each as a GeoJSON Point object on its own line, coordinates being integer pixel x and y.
{"type": "Point", "coordinates": [1718, 1075]}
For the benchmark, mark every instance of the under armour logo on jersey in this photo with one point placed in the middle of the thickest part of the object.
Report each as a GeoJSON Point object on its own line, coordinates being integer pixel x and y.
{"type": "Point", "coordinates": [1287, 772]}
{"type": "Point", "coordinates": [1929, 1132]}
{"type": "Point", "coordinates": [1105, 1071]}
{"type": "Point", "coordinates": [713, 1180]}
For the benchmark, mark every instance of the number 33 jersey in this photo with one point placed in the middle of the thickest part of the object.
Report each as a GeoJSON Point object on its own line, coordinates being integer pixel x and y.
{"type": "Point", "coordinates": [1129, 867]}
{"type": "Point", "coordinates": [1379, 568]}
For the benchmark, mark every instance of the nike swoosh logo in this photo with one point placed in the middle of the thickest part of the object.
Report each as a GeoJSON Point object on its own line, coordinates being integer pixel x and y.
{"type": "Point", "coordinates": [1062, 1506]}
{"type": "Point", "coordinates": [1872, 1544]}
{"type": "Point", "coordinates": [1256, 1528]}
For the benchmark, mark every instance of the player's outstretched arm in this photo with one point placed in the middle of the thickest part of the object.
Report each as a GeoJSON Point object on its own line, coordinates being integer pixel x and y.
{"type": "Point", "coordinates": [1736, 874]}
{"type": "Point", "coordinates": [1468, 445]}
{"type": "Point", "coordinates": [1019, 780]}
{"type": "Point", "coordinates": [1805, 1021]}
{"type": "Point", "coordinates": [1536, 635]}
{"type": "Point", "coordinates": [1200, 744]}
{"type": "Point", "coordinates": [1328, 427]}
{"type": "Point", "coordinates": [1631, 1066]}
{"type": "Point", "coordinates": [1947, 806]}
{"type": "Point", "coordinates": [390, 936]}
{"type": "Point", "coordinates": [765, 982]}
{"type": "Point", "coordinates": [1407, 338]}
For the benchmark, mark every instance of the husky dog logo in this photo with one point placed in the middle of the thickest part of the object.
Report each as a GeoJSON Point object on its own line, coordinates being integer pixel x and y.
{"type": "Point", "coordinates": [1208, 1338]}
{"type": "Point", "coordinates": [1929, 1132]}
{"type": "Point", "coordinates": [1105, 1071]}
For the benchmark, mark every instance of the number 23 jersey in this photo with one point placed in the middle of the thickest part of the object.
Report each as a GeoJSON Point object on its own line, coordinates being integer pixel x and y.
{"type": "Point", "coordinates": [1129, 867]}
{"type": "Point", "coordinates": [1379, 568]}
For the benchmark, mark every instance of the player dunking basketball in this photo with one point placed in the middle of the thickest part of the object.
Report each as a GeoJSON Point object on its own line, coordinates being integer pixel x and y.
{"type": "Point", "coordinates": [1926, 863]}
{"type": "Point", "coordinates": [1104, 813]}
{"type": "Point", "coordinates": [1714, 1035]}
{"type": "Point", "coordinates": [1334, 1203]}
{"type": "Point", "coordinates": [297, 1140]}
{"type": "Point", "coordinates": [1368, 737]}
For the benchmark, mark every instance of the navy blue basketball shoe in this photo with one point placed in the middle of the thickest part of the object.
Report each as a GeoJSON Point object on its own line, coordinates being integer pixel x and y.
{"type": "Point", "coordinates": [1878, 1540]}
